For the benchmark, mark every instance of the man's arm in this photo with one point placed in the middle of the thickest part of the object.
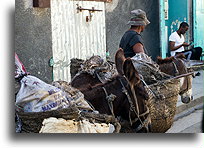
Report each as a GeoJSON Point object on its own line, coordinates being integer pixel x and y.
{"type": "Point", "coordinates": [173, 47]}
{"type": "Point", "coordinates": [138, 48]}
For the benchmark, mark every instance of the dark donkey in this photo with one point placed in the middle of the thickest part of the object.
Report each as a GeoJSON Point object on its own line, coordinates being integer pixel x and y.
{"type": "Point", "coordinates": [84, 80]}
{"type": "Point", "coordinates": [175, 66]}
{"type": "Point", "coordinates": [124, 96]}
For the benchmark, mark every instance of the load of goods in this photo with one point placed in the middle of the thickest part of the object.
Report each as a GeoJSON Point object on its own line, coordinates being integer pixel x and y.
{"type": "Point", "coordinates": [61, 107]}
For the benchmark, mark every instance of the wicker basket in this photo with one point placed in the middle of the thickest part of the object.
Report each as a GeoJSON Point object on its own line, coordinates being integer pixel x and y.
{"type": "Point", "coordinates": [32, 122]}
{"type": "Point", "coordinates": [162, 104]}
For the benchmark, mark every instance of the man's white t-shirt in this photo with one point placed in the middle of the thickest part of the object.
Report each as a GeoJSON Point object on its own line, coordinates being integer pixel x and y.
{"type": "Point", "coordinates": [174, 37]}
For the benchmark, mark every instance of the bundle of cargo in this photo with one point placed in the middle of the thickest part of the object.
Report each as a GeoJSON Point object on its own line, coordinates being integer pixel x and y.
{"type": "Point", "coordinates": [163, 91]}
{"type": "Point", "coordinates": [95, 66]}
{"type": "Point", "coordinates": [41, 106]}
{"type": "Point", "coordinates": [148, 69]}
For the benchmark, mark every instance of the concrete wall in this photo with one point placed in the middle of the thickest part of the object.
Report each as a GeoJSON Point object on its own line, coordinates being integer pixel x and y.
{"type": "Point", "coordinates": [33, 42]}
{"type": "Point", "coordinates": [117, 16]}
{"type": "Point", "coordinates": [33, 37]}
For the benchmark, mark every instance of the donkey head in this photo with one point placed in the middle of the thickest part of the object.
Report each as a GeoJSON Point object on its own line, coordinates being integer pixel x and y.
{"type": "Point", "coordinates": [125, 67]}
{"type": "Point", "coordinates": [176, 66]}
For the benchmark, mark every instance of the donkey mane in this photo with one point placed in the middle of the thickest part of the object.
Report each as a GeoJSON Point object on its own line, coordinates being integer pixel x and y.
{"type": "Point", "coordinates": [169, 59]}
{"type": "Point", "coordinates": [164, 61]}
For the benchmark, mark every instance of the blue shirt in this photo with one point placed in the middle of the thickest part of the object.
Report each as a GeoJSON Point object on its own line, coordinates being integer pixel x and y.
{"type": "Point", "coordinates": [129, 39]}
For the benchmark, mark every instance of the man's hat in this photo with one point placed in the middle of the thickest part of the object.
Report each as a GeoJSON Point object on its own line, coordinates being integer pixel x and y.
{"type": "Point", "coordinates": [138, 18]}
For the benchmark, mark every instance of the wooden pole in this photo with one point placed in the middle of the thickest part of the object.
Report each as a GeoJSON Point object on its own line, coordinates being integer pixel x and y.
{"type": "Point", "coordinates": [183, 75]}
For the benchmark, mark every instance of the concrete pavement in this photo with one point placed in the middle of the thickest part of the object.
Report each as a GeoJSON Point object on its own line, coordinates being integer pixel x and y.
{"type": "Point", "coordinates": [188, 124]}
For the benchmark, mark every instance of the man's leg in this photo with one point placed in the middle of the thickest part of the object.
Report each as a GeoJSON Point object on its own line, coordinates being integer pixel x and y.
{"type": "Point", "coordinates": [187, 54]}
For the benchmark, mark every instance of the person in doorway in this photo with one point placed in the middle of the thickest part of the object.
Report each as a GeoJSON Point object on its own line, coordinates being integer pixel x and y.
{"type": "Point", "coordinates": [177, 44]}
{"type": "Point", "coordinates": [132, 41]}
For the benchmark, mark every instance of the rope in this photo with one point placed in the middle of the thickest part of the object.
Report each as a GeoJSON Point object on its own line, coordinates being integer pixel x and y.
{"type": "Point", "coordinates": [150, 90]}
{"type": "Point", "coordinates": [100, 79]}
{"type": "Point", "coordinates": [110, 98]}
{"type": "Point", "coordinates": [175, 68]}
{"type": "Point", "coordinates": [187, 77]}
{"type": "Point", "coordinates": [132, 108]}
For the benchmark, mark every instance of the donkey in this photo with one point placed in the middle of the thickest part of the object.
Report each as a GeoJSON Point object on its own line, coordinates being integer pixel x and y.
{"type": "Point", "coordinates": [84, 80]}
{"type": "Point", "coordinates": [123, 96]}
{"type": "Point", "coordinates": [175, 66]}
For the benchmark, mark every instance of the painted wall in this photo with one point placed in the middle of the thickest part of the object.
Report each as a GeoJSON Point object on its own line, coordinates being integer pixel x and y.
{"type": "Point", "coordinates": [33, 38]}
{"type": "Point", "coordinates": [178, 12]}
{"type": "Point", "coordinates": [198, 17]}
{"type": "Point", "coordinates": [117, 16]}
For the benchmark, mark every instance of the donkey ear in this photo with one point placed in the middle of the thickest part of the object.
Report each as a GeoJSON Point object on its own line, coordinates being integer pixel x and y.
{"type": "Point", "coordinates": [130, 72]}
{"type": "Point", "coordinates": [119, 60]}
{"type": "Point", "coordinates": [159, 60]}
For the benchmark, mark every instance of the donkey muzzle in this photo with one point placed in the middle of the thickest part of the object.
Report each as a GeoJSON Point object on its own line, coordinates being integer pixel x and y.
{"type": "Point", "coordinates": [186, 99]}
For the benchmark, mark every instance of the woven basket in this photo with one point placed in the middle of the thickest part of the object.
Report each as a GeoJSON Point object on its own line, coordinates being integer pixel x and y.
{"type": "Point", "coordinates": [32, 122]}
{"type": "Point", "coordinates": [162, 104]}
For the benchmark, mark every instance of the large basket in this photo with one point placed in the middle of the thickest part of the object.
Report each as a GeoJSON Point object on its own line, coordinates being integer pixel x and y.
{"type": "Point", "coordinates": [162, 104]}
{"type": "Point", "coordinates": [32, 122]}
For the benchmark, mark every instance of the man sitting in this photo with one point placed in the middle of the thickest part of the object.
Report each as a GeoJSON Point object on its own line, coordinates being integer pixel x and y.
{"type": "Point", "coordinates": [177, 44]}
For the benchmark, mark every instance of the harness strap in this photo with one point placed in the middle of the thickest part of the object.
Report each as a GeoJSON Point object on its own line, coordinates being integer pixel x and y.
{"type": "Point", "coordinates": [132, 108]}
{"type": "Point", "coordinates": [175, 68]}
{"type": "Point", "coordinates": [187, 77]}
{"type": "Point", "coordinates": [141, 115]}
{"type": "Point", "coordinates": [150, 90]}
{"type": "Point", "coordinates": [145, 124]}
{"type": "Point", "coordinates": [100, 79]}
{"type": "Point", "coordinates": [145, 113]}
{"type": "Point", "coordinates": [110, 98]}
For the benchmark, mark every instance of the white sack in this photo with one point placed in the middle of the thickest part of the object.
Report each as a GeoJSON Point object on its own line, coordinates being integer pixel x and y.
{"type": "Point", "coordinates": [54, 125]}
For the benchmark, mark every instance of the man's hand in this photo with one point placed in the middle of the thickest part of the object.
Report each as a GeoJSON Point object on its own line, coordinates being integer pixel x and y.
{"type": "Point", "coordinates": [185, 44]}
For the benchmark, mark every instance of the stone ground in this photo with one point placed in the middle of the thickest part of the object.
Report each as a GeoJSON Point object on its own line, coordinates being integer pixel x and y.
{"type": "Point", "coordinates": [188, 124]}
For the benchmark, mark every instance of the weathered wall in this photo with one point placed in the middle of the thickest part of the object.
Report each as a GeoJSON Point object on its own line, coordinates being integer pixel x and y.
{"type": "Point", "coordinates": [33, 42]}
{"type": "Point", "coordinates": [33, 37]}
{"type": "Point", "coordinates": [117, 16]}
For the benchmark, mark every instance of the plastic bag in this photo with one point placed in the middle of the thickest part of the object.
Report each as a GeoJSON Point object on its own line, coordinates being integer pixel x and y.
{"type": "Point", "coordinates": [19, 67]}
{"type": "Point", "coordinates": [75, 94]}
{"type": "Point", "coordinates": [38, 96]}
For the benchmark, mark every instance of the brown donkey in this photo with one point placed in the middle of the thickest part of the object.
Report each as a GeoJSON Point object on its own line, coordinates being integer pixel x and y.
{"type": "Point", "coordinates": [175, 66]}
{"type": "Point", "coordinates": [123, 96]}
